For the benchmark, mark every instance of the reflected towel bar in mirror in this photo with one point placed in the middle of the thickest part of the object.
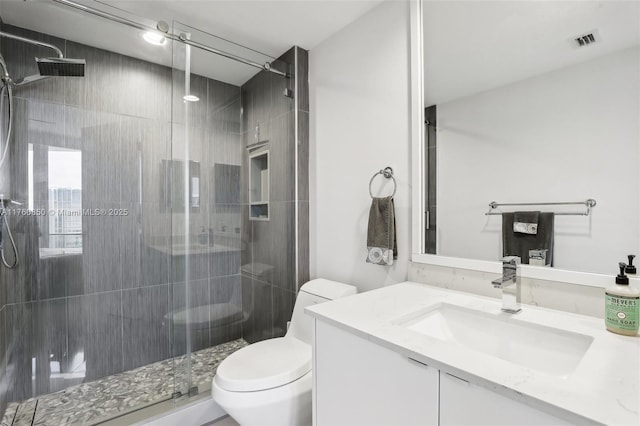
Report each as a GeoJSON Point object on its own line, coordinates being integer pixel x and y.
{"type": "Point", "coordinates": [589, 203]}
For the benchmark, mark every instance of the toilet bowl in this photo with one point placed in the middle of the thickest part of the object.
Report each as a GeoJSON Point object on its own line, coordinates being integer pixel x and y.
{"type": "Point", "coordinates": [269, 382]}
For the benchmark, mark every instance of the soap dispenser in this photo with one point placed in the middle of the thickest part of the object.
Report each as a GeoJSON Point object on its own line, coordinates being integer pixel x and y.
{"type": "Point", "coordinates": [202, 238]}
{"type": "Point", "coordinates": [622, 304]}
{"type": "Point", "coordinates": [630, 269]}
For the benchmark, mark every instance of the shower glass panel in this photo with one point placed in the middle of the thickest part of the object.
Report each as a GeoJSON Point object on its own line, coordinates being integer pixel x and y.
{"type": "Point", "coordinates": [84, 332]}
{"type": "Point", "coordinates": [210, 229]}
{"type": "Point", "coordinates": [157, 224]}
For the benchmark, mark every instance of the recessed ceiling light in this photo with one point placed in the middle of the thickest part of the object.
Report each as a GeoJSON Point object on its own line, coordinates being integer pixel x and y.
{"type": "Point", "coordinates": [154, 38]}
{"type": "Point", "coordinates": [191, 98]}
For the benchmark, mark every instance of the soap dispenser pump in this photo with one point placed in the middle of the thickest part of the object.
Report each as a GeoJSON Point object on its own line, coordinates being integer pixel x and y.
{"type": "Point", "coordinates": [622, 278]}
{"type": "Point", "coordinates": [630, 269]}
{"type": "Point", "coordinates": [622, 305]}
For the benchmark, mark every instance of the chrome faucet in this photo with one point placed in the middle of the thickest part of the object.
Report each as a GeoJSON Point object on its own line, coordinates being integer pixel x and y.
{"type": "Point", "coordinates": [510, 284]}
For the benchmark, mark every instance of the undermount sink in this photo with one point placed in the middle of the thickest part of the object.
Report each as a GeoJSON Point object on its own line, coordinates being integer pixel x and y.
{"type": "Point", "coordinates": [545, 349]}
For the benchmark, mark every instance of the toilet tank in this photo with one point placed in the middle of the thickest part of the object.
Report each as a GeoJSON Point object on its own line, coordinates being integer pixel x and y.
{"type": "Point", "coordinates": [313, 292]}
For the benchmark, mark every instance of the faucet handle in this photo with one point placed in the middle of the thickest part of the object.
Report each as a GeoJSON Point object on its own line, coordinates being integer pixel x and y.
{"type": "Point", "coordinates": [512, 260]}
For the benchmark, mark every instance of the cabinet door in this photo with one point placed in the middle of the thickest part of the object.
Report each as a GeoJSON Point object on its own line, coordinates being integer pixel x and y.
{"type": "Point", "coordinates": [358, 382]}
{"type": "Point", "coordinates": [462, 403]}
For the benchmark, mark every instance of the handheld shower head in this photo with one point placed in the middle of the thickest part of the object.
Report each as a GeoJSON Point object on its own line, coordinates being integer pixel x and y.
{"type": "Point", "coordinates": [61, 67]}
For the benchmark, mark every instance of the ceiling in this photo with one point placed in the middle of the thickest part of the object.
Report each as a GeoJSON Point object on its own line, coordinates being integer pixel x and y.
{"type": "Point", "coordinates": [474, 46]}
{"type": "Point", "coordinates": [266, 26]}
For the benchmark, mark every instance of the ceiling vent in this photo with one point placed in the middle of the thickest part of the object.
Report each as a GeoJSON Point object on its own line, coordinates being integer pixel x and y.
{"type": "Point", "coordinates": [586, 39]}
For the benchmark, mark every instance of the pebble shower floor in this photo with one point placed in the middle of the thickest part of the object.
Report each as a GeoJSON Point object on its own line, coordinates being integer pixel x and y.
{"type": "Point", "coordinates": [97, 401]}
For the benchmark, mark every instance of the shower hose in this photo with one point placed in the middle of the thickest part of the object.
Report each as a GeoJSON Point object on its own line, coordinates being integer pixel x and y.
{"type": "Point", "coordinates": [3, 156]}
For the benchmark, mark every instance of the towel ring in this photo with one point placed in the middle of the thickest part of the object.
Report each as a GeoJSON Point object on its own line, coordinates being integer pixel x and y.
{"type": "Point", "coordinates": [388, 173]}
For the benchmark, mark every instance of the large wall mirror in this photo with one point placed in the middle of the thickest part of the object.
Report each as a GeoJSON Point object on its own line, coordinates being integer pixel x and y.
{"type": "Point", "coordinates": [531, 102]}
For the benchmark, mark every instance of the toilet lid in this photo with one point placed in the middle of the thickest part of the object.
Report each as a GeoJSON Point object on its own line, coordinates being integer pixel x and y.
{"type": "Point", "coordinates": [265, 365]}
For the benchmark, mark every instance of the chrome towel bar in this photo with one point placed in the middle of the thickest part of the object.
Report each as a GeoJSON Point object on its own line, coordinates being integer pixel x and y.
{"type": "Point", "coordinates": [589, 203]}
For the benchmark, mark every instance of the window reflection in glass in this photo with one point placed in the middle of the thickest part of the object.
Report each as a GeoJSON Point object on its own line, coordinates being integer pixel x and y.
{"type": "Point", "coordinates": [55, 188]}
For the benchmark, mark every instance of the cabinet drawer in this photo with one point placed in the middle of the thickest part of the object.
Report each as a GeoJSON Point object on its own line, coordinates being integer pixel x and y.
{"type": "Point", "coordinates": [358, 382]}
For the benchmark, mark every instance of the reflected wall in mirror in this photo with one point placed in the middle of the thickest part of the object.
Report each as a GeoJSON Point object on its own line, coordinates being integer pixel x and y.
{"type": "Point", "coordinates": [172, 176]}
{"type": "Point", "coordinates": [527, 102]}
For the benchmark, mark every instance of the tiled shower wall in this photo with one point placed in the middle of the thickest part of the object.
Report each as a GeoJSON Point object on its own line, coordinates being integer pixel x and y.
{"type": "Point", "coordinates": [271, 271]}
{"type": "Point", "coordinates": [109, 308]}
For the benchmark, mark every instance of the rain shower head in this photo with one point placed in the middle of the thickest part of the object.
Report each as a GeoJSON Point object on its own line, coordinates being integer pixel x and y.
{"type": "Point", "coordinates": [61, 67]}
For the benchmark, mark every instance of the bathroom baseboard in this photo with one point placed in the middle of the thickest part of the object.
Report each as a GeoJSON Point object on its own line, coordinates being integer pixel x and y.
{"type": "Point", "coordinates": [199, 412]}
{"type": "Point", "coordinates": [195, 411]}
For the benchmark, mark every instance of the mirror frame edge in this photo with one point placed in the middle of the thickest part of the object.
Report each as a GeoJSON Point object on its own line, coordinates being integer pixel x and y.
{"type": "Point", "coordinates": [417, 176]}
{"type": "Point", "coordinates": [417, 121]}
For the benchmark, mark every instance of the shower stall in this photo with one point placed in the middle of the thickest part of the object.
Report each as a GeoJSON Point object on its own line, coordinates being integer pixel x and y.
{"type": "Point", "coordinates": [159, 209]}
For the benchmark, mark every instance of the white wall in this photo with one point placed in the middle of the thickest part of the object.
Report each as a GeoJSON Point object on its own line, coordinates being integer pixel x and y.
{"type": "Point", "coordinates": [359, 124]}
{"type": "Point", "coordinates": [567, 135]}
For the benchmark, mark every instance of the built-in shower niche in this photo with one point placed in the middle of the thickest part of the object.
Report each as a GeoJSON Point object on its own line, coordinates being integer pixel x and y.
{"type": "Point", "coordinates": [259, 185]}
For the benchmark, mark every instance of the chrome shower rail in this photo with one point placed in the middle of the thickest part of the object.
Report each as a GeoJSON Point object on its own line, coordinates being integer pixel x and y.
{"type": "Point", "coordinates": [589, 203]}
{"type": "Point", "coordinates": [34, 42]}
{"type": "Point", "coordinates": [181, 38]}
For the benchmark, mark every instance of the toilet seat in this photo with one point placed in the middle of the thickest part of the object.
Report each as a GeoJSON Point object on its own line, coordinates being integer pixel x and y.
{"type": "Point", "coordinates": [265, 365]}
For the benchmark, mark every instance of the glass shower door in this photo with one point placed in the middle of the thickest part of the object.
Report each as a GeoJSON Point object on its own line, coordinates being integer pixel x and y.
{"type": "Point", "coordinates": [205, 210]}
{"type": "Point", "coordinates": [225, 141]}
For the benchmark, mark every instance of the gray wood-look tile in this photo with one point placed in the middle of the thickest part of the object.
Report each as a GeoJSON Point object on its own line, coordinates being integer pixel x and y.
{"type": "Point", "coordinates": [99, 89]}
{"type": "Point", "coordinates": [145, 325]}
{"type": "Point", "coordinates": [303, 243]}
{"type": "Point", "coordinates": [282, 159]}
{"type": "Point", "coordinates": [4, 385]}
{"type": "Point", "coordinates": [59, 276]}
{"type": "Point", "coordinates": [102, 253]}
{"type": "Point", "coordinates": [155, 138]}
{"type": "Point", "coordinates": [283, 301]}
{"type": "Point", "coordinates": [145, 89]}
{"type": "Point", "coordinates": [21, 283]}
{"type": "Point", "coordinates": [99, 136]}
{"type": "Point", "coordinates": [303, 156]}
{"type": "Point", "coordinates": [36, 337]}
{"type": "Point", "coordinates": [281, 104]}
{"type": "Point", "coordinates": [131, 244]}
{"type": "Point", "coordinates": [221, 96]}
{"type": "Point", "coordinates": [156, 245]}
{"type": "Point", "coordinates": [256, 103]}
{"type": "Point", "coordinates": [273, 245]}
{"type": "Point", "coordinates": [226, 298]}
{"type": "Point", "coordinates": [197, 293]}
{"type": "Point", "coordinates": [197, 266]}
{"type": "Point", "coordinates": [95, 332]}
{"type": "Point", "coordinates": [302, 79]}
{"type": "Point", "coordinates": [224, 134]}
{"type": "Point", "coordinates": [35, 122]}
{"type": "Point", "coordinates": [257, 304]}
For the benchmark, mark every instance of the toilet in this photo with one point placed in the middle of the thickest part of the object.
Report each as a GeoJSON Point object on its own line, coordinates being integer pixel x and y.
{"type": "Point", "coordinates": [269, 382]}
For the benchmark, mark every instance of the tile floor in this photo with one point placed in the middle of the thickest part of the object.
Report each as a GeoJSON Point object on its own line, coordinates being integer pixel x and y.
{"type": "Point", "coordinates": [93, 402]}
{"type": "Point", "coordinates": [225, 421]}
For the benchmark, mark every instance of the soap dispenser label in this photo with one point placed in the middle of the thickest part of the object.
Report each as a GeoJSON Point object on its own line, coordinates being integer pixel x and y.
{"type": "Point", "coordinates": [622, 312]}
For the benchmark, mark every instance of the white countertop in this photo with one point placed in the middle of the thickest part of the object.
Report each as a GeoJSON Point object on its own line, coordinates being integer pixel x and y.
{"type": "Point", "coordinates": [604, 388]}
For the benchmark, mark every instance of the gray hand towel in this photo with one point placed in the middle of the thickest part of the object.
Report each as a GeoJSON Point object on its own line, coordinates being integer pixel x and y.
{"type": "Point", "coordinates": [525, 222]}
{"type": "Point", "coordinates": [381, 233]}
{"type": "Point", "coordinates": [519, 244]}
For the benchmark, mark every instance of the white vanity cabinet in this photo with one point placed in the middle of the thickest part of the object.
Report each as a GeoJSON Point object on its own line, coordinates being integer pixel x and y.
{"type": "Point", "coordinates": [463, 403]}
{"type": "Point", "coordinates": [357, 382]}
